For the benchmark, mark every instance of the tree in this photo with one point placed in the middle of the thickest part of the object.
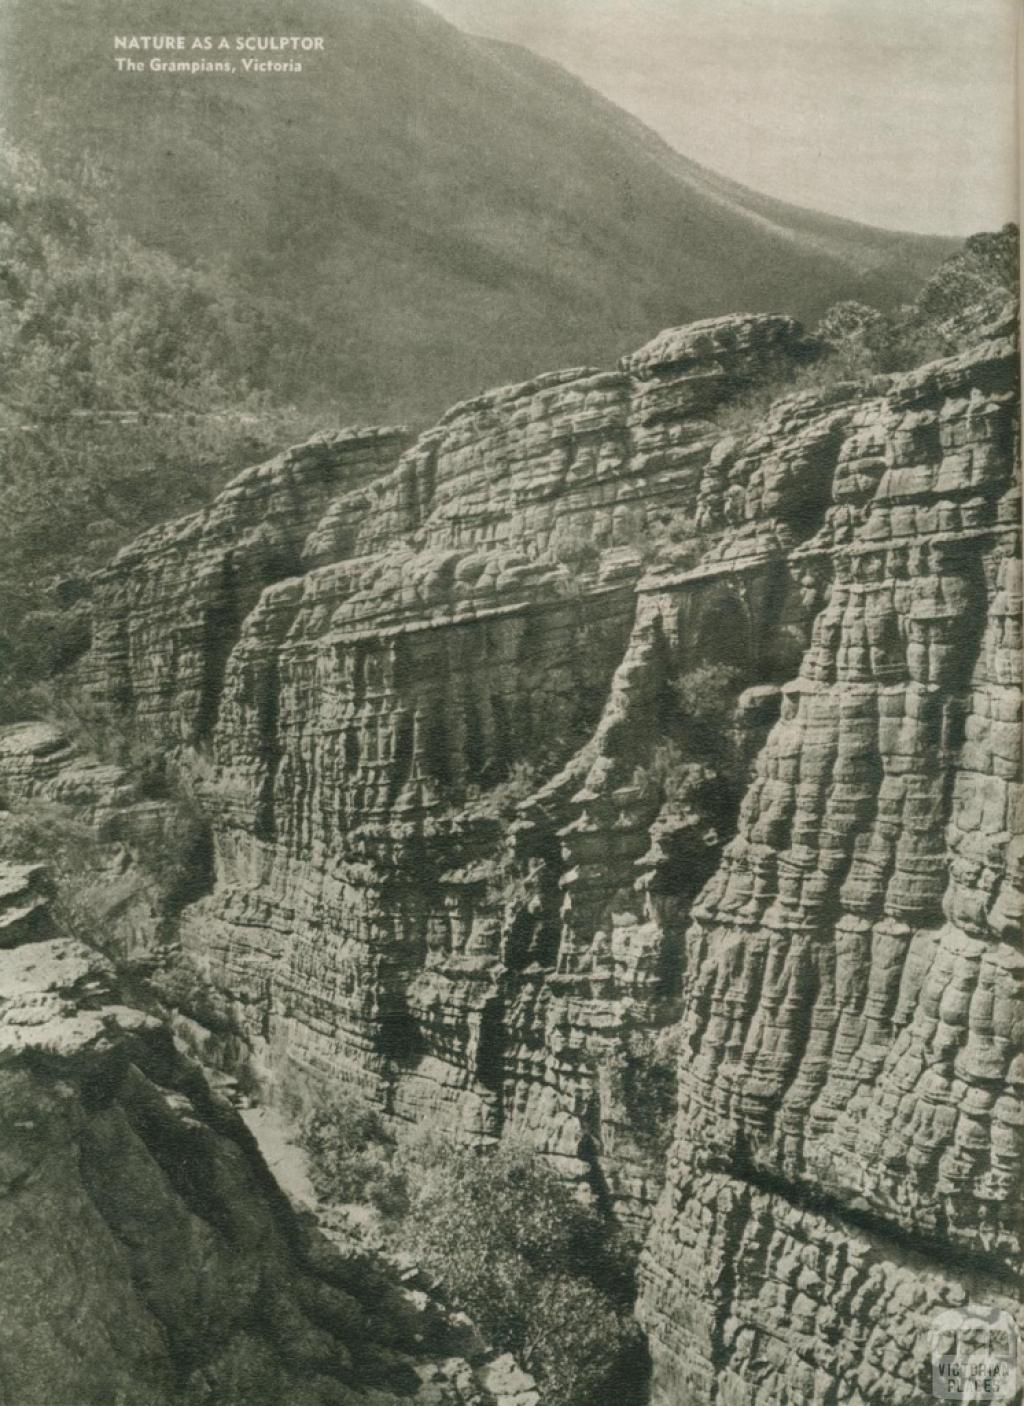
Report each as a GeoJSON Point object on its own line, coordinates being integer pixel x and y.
{"type": "Point", "coordinates": [131, 388]}
{"type": "Point", "coordinates": [969, 289]}
{"type": "Point", "coordinates": [351, 1156]}
{"type": "Point", "coordinates": [983, 275]}
{"type": "Point", "coordinates": [533, 1266]}
{"type": "Point", "coordinates": [541, 1274]}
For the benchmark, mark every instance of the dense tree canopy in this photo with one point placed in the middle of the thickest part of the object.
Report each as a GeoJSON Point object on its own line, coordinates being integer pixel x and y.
{"type": "Point", "coordinates": [130, 389]}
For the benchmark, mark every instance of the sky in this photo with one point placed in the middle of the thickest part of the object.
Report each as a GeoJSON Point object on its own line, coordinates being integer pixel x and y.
{"type": "Point", "coordinates": [900, 113]}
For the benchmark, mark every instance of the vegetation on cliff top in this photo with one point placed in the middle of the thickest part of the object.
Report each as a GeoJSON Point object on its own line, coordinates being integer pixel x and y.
{"type": "Point", "coordinates": [133, 386]}
{"type": "Point", "coordinates": [859, 342]}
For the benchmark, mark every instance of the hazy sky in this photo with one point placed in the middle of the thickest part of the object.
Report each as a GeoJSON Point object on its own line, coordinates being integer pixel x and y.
{"type": "Point", "coordinates": [897, 112]}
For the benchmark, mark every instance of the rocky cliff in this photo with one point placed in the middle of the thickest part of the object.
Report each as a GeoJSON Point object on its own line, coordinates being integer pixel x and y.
{"type": "Point", "coordinates": [148, 1257]}
{"type": "Point", "coordinates": [615, 714]}
{"type": "Point", "coordinates": [848, 1153]}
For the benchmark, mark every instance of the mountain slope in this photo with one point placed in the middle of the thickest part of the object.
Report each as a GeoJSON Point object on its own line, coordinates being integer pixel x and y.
{"type": "Point", "coordinates": [425, 212]}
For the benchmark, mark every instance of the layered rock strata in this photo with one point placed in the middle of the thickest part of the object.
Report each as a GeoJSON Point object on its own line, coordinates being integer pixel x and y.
{"type": "Point", "coordinates": [475, 844]}
{"type": "Point", "coordinates": [363, 729]}
{"type": "Point", "coordinates": [847, 1164]}
{"type": "Point", "coordinates": [90, 821]}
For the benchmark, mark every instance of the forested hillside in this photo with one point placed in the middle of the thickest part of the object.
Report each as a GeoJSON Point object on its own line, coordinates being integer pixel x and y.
{"type": "Point", "coordinates": [420, 213]}
{"type": "Point", "coordinates": [131, 387]}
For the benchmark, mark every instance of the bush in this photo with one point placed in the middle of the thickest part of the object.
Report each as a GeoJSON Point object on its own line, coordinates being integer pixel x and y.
{"type": "Point", "coordinates": [984, 275]}
{"type": "Point", "coordinates": [532, 1266]}
{"type": "Point", "coordinates": [966, 290]}
{"type": "Point", "coordinates": [540, 1274]}
{"type": "Point", "coordinates": [161, 854]}
{"type": "Point", "coordinates": [177, 856]}
{"type": "Point", "coordinates": [691, 768]}
{"type": "Point", "coordinates": [743, 413]}
{"type": "Point", "coordinates": [648, 1080]}
{"type": "Point", "coordinates": [351, 1156]}
{"type": "Point", "coordinates": [669, 772]}
{"type": "Point", "coordinates": [46, 831]}
{"type": "Point", "coordinates": [706, 693]}
{"type": "Point", "coordinates": [857, 342]}
{"type": "Point", "coordinates": [115, 740]}
{"type": "Point", "coordinates": [573, 546]}
{"type": "Point", "coordinates": [522, 779]}
{"type": "Point", "coordinates": [864, 342]}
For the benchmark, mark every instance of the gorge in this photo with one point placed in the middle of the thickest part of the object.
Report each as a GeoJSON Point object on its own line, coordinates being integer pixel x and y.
{"type": "Point", "coordinates": [663, 718]}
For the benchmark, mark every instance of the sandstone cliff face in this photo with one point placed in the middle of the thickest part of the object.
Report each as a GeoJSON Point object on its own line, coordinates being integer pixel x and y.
{"type": "Point", "coordinates": [467, 633]}
{"type": "Point", "coordinates": [848, 1154]}
{"type": "Point", "coordinates": [424, 689]}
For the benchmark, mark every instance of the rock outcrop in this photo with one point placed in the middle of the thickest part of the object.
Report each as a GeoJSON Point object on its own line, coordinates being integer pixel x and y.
{"type": "Point", "coordinates": [148, 1257]}
{"type": "Point", "coordinates": [476, 845]}
{"type": "Point", "coordinates": [89, 821]}
{"type": "Point", "coordinates": [466, 635]}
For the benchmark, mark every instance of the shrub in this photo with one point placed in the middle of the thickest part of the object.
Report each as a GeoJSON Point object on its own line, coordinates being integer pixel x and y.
{"type": "Point", "coordinates": [177, 856]}
{"type": "Point", "coordinates": [93, 878]}
{"type": "Point", "coordinates": [705, 694]}
{"type": "Point", "coordinates": [648, 1084]}
{"type": "Point", "coordinates": [539, 1272]}
{"type": "Point", "coordinates": [522, 779]}
{"type": "Point", "coordinates": [573, 1339]}
{"type": "Point", "coordinates": [534, 1267]}
{"type": "Point", "coordinates": [115, 740]}
{"type": "Point", "coordinates": [671, 772]}
{"type": "Point", "coordinates": [742, 413]}
{"type": "Point", "coordinates": [857, 342]}
{"type": "Point", "coordinates": [572, 545]}
{"type": "Point", "coordinates": [667, 771]}
{"type": "Point", "coordinates": [863, 342]}
{"type": "Point", "coordinates": [351, 1156]}
{"type": "Point", "coordinates": [22, 698]}
{"type": "Point", "coordinates": [983, 275]}
{"type": "Point", "coordinates": [41, 830]}
{"type": "Point", "coordinates": [692, 766]}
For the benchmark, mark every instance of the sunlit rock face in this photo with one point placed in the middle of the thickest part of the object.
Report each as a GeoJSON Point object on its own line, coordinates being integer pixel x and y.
{"type": "Point", "coordinates": [415, 680]}
{"type": "Point", "coordinates": [477, 851]}
{"type": "Point", "coordinates": [847, 1160]}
